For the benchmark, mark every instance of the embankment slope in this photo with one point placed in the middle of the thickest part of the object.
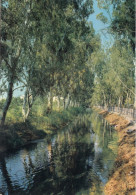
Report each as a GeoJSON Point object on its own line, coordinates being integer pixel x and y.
{"type": "Point", "coordinates": [122, 179]}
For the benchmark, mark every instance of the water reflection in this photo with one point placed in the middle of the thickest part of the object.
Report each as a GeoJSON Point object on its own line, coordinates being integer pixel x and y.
{"type": "Point", "coordinates": [77, 160]}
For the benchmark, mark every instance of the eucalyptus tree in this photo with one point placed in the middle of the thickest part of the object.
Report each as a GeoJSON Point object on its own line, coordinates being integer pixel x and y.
{"type": "Point", "coordinates": [121, 19]}
{"type": "Point", "coordinates": [122, 68]}
{"type": "Point", "coordinates": [121, 24]}
{"type": "Point", "coordinates": [114, 72]}
{"type": "Point", "coordinates": [98, 61]}
{"type": "Point", "coordinates": [19, 42]}
{"type": "Point", "coordinates": [12, 34]}
{"type": "Point", "coordinates": [44, 45]}
{"type": "Point", "coordinates": [64, 33]}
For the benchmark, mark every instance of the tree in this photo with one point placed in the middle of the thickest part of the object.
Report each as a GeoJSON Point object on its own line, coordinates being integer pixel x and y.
{"type": "Point", "coordinates": [114, 76]}
{"type": "Point", "coordinates": [121, 24]}
{"type": "Point", "coordinates": [45, 47]}
{"type": "Point", "coordinates": [14, 35]}
{"type": "Point", "coordinates": [11, 48]}
{"type": "Point", "coordinates": [66, 42]}
{"type": "Point", "coordinates": [121, 19]}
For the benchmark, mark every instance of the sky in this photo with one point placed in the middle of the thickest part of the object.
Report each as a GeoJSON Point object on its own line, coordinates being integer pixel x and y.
{"type": "Point", "coordinates": [98, 25]}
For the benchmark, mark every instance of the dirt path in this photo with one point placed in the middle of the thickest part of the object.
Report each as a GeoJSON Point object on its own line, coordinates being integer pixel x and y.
{"type": "Point", "coordinates": [122, 180]}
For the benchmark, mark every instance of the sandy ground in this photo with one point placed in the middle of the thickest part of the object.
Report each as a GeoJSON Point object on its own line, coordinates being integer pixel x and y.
{"type": "Point", "coordinates": [122, 179]}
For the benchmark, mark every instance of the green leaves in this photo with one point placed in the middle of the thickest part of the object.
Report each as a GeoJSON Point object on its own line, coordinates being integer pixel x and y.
{"type": "Point", "coordinates": [101, 17]}
{"type": "Point", "coordinates": [114, 72]}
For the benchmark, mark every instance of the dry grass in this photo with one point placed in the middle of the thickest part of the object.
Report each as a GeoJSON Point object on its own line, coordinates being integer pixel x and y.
{"type": "Point", "coordinates": [122, 181]}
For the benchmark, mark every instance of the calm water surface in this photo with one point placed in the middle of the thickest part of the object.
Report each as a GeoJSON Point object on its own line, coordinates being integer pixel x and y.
{"type": "Point", "coordinates": [75, 161]}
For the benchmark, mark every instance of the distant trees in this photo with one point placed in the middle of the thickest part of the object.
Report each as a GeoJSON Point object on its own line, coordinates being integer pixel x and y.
{"type": "Point", "coordinates": [116, 83]}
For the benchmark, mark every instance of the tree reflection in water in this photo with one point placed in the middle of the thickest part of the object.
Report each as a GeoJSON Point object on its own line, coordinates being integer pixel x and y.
{"type": "Point", "coordinates": [77, 160]}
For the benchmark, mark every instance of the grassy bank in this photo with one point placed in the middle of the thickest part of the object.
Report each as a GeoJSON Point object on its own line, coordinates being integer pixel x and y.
{"type": "Point", "coordinates": [18, 133]}
{"type": "Point", "coordinates": [56, 119]}
{"type": "Point", "coordinates": [122, 179]}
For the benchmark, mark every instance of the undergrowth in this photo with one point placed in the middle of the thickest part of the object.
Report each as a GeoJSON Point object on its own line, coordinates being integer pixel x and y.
{"type": "Point", "coordinates": [17, 133]}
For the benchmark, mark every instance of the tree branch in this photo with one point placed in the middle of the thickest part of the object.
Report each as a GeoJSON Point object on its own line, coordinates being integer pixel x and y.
{"type": "Point", "coordinates": [122, 81]}
{"type": "Point", "coordinates": [18, 87]}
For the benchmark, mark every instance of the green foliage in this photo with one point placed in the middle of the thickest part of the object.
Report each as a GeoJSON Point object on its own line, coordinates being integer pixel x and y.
{"type": "Point", "coordinates": [52, 43]}
{"type": "Point", "coordinates": [56, 119]}
{"type": "Point", "coordinates": [114, 81]}
{"type": "Point", "coordinates": [53, 51]}
{"type": "Point", "coordinates": [18, 134]}
{"type": "Point", "coordinates": [123, 22]}
{"type": "Point", "coordinates": [122, 19]}
{"type": "Point", "coordinates": [101, 17]}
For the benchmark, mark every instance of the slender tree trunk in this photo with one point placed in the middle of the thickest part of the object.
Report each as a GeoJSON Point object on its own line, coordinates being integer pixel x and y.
{"type": "Point", "coordinates": [24, 105]}
{"type": "Point", "coordinates": [135, 84]}
{"type": "Point", "coordinates": [59, 102]}
{"type": "Point", "coordinates": [127, 100]}
{"type": "Point", "coordinates": [48, 99]}
{"type": "Point", "coordinates": [119, 102]}
{"type": "Point", "coordinates": [27, 105]}
{"type": "Point", "coordinates": [8, 101]}
{"type": "Point", "coordinates": [51, 99]}
{"type": "Point", "coordinates": [68, 102]}
{"type": "Point", "coordinates": [13, 61]}
{"type": "Point", "coordinates": [71, 103]}
{"type": "Point", "coordinates": [105, 103]}
{"type": "Point", "coordinates": [64, 102]}
{"type": "Point", "coordinates": [109, 104]}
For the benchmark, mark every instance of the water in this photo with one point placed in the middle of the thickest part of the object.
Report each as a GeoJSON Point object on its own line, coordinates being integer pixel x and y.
{"type": "Point", "coordinates": [75, 161]}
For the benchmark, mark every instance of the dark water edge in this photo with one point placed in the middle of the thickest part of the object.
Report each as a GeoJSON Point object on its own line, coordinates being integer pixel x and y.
{"type": "Point", "coordinates": [77, 160]}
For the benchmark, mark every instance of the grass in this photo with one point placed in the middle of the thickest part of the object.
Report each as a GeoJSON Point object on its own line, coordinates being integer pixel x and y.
{"type": "Point", "coordinates": [17, 133]}
{"type": "Point", "coordinates": [56, 119]}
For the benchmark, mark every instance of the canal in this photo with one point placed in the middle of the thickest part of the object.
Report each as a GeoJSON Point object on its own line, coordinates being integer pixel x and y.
{"type": "Point", "coordinates": [75, 161]}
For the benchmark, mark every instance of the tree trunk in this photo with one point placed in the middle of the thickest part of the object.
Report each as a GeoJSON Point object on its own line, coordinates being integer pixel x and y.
{"type": "Point", "coordinates": [24, 105]}
{"type": "Point", "coordinates": [71, 103]}
{"type": "Point", "coordinates": [27, 105]}
{"type": "Point", "coordinates": [64, 102]}
{"type": "Point", "coordinates": [135, 84]}
{"type": "Point", "coordinates": [8, 101]}
{"type": "Point", "coordinates": [105, 103]}
{"type": "Point", "coordinates": [12, 71]}
{"type": "Point", "coordinates": [119, 102]}
{"type": "Point", "coordinates": [51, 99]}
{"type": "Point", "coordinates": [68, 102]}
{"type": "Point", "coordinates": [59, 102]}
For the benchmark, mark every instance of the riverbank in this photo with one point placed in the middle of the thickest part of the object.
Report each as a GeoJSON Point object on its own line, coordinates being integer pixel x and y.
{"type": "Point", "coordinates": [17, 134]}
{"type": "Point", "coordinates": [122, 179]}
